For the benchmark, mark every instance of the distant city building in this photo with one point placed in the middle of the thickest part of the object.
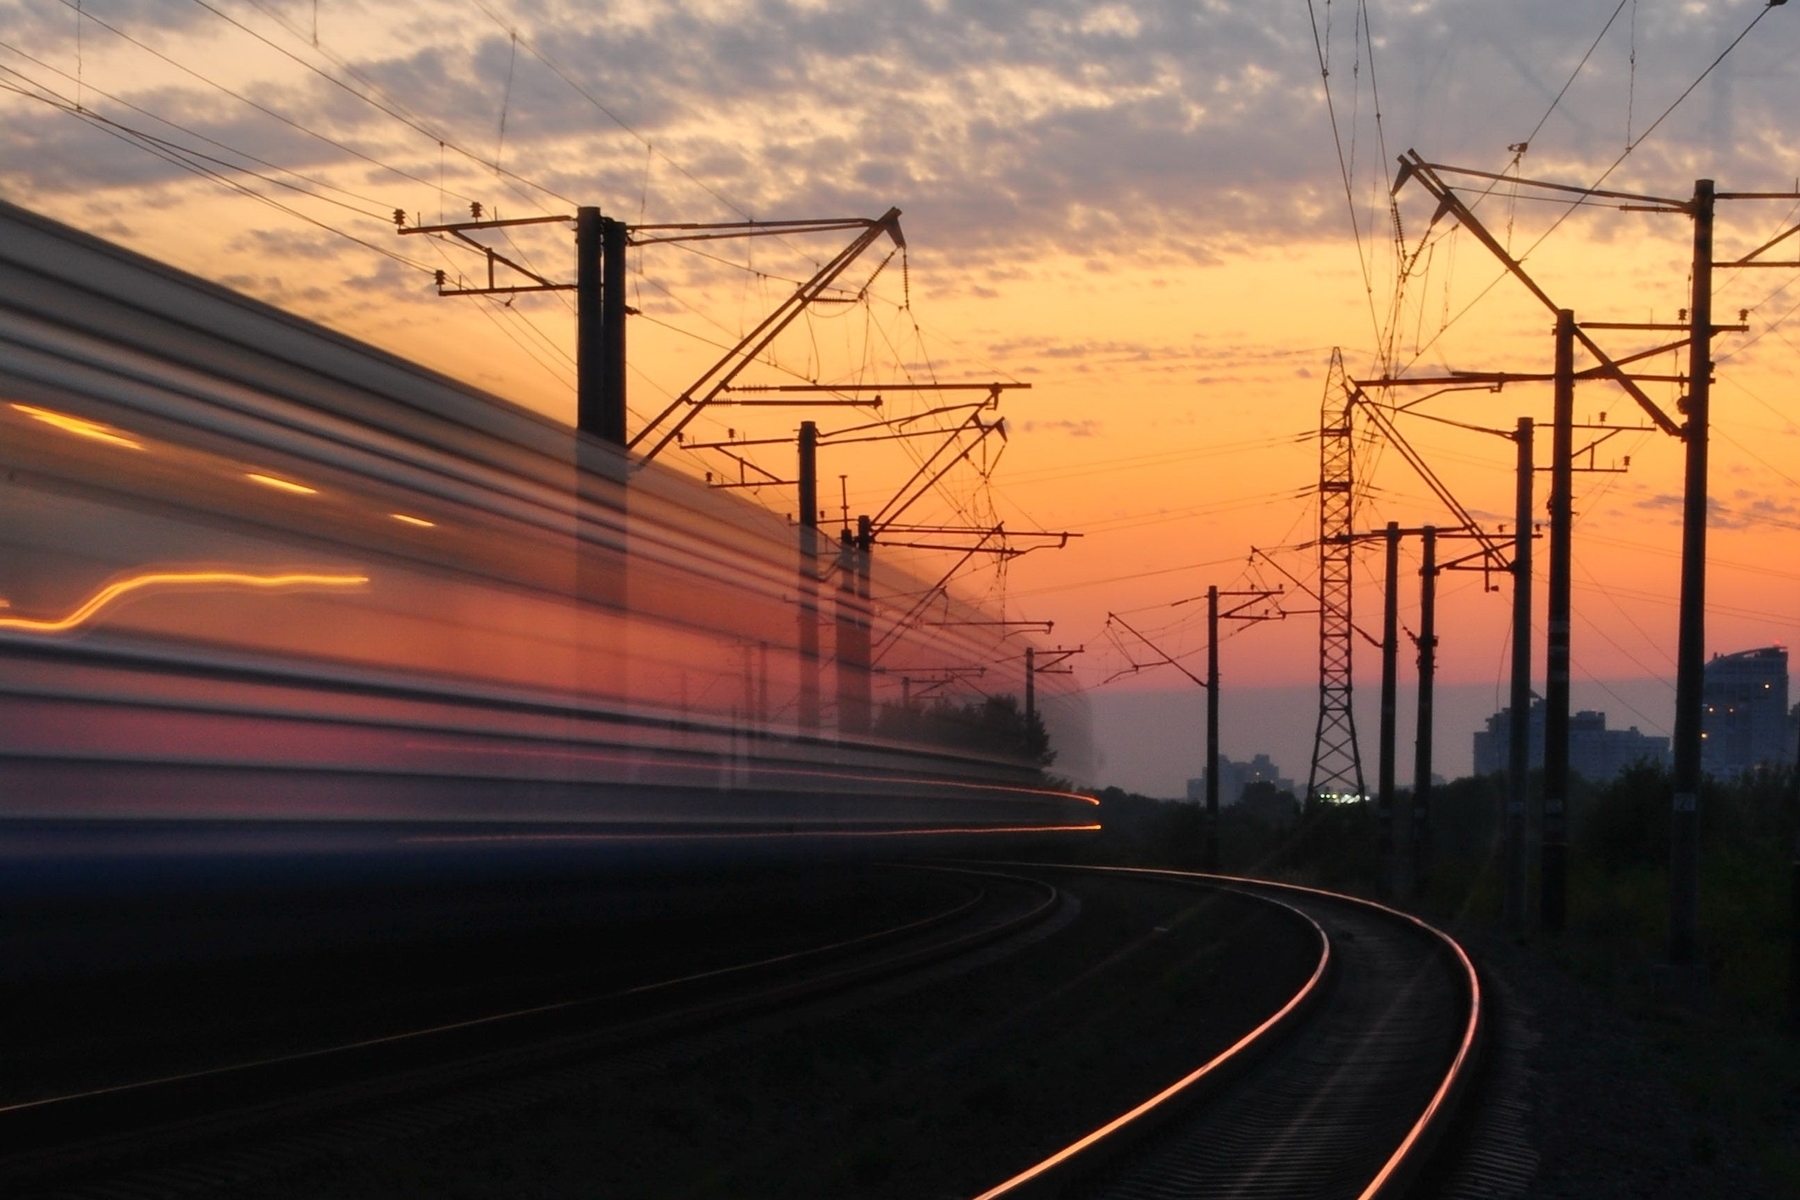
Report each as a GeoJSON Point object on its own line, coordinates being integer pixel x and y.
{"type": "Point", "coordinates": [1600, 754]}
{"type": "Point", "coordinates": [1595, 752]}
{"type": "Point", "coordinates": [1744, 712]}
{"type": "Point", "coordinates": [1493, 744]}
{"type": "Point", "coordinates": [1234, 777]}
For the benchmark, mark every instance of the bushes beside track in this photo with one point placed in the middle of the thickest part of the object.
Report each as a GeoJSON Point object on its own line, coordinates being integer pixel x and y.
{"type": "Point", "coordinates": [1618, 864]}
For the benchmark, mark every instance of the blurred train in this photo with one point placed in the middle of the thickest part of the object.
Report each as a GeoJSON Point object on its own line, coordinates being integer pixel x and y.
{"type": "Point", "coordinates": [257, 575]}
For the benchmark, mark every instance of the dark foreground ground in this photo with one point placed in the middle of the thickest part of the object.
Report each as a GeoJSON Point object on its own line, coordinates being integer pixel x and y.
{"type": "Point", "coordinates": [938, 1083]}
{"type": "Point", "coordinates": [935, 1088]}
{"type": "Point", "coordinates": [1640, 1099]}
{"type": "Point", "coordinates": [927, 1087]}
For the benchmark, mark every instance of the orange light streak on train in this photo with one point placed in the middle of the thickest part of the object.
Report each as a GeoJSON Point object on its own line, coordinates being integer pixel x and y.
{"type": "Point", "coordinates": [89, 608]}
{"type": "Point", "coordinates": [79, 426]}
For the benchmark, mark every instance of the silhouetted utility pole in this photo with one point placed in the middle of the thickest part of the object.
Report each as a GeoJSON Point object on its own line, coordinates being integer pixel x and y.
{"type": "Point", "coordinates": [1793, 914]}
{"type": "Point", "coordinates": [1518, 753]}
{"type": "Point", "coordinates": [809, 578]}
{"type": "Point", "coordinates": [1794, 911]}
{"type": "Point", "coordinates": [610, 422]}
{"type": "Point", "coordinates": [600, 325]}
{"type": "Point", "coordinates": [1553, 861]}
{"type": "Point", "coordinates": [1212, 728]}
{"type": "Point", "coordinates": [1427, 643]}
{"type": "Point", "coordinates": [1390, 645]}
{"type": "Point", "coordinates": [1690, 650]}
{"type": "Point", "coordinates": [1030, 685]}
{"type": "Point", "coordinates": [590, 320]}
{"type": "Point", "coordinates": [861, 676]}
{"type": "Point", "coordinates": [852, 654]}
{"type": "Point", "coordinates": [1249, 598]}
{"type": "Point", "coordinates": [1052, 665]}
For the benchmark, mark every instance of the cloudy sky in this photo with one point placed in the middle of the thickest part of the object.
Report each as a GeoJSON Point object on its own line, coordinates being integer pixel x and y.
{"type": "Point", "coordinates": [1141, 209]}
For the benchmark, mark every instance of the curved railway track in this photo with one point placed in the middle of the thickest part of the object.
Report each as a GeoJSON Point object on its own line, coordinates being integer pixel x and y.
{"type": "Point", "coordinates": [1346, 1091]}
{"type": "Point", "coordinates": [1335, 1077]}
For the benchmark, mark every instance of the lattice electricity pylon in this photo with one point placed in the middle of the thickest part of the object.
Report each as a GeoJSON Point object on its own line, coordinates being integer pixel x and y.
{"type": "Point", "coordinates": [1336, 760]}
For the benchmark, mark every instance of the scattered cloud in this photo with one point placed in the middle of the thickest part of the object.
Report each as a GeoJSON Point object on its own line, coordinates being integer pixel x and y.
{"type": "Point", "coordinates": [1082, 429]}
{"type": "Point", "coordinates": [1156, 128]}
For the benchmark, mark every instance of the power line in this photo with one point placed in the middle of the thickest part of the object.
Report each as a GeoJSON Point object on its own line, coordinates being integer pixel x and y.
{"type": "Point", "coordinates": [1594, 186]}
{"type": "Point", "coordinates": [1344, 172]}
{"type": "Point", "coordinates": [264, 109]}
{"type": "Point", "coordinates": [609, 113]}
{"type": "Point", "coordinates": [184, 158]}
{"type": "Point", "coordinates": [385, 104]}
{"type": "Point", "coordinates": [1528, 138]}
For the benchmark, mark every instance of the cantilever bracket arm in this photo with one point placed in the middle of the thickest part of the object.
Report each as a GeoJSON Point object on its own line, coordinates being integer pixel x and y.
{"type": "Point", "coordinates": [912, 615]}
{"type": "Point", "coordinates": [1418, 463]}
{"type": "Point", "coordinates": [719, 376]}
{"type": "Point", "coordinates": [894, 508]}
{"type": "Point", "coordinates": [1755, 257]}
{"type": "Point", "coordinates": [712, 231]}
{"type": "Point", "coordinates": [1412, 167]}
{"type": "Point", "coordinates": [1157, 650]}
{"type": "Point", "coordinates": [1257, 552]}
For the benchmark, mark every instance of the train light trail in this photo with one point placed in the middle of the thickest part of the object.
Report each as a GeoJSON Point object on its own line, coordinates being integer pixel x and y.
{"type": "Point", "coordinates": [299, 489]}
{"type": "Point", "coordinates": [77, 426]}
{"type": "Point", "coordinates": [421, 522]}
{"type": "Point", "coordinates": [86, 611]}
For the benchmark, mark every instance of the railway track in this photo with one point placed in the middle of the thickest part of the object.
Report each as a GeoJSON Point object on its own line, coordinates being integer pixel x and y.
{"type": "Point", "coordinates": [1346, 1091]}
{"type": "Point", "coordinates": [1334, 1076]}
{"type": "Point", "coordinates": [152, 1131]}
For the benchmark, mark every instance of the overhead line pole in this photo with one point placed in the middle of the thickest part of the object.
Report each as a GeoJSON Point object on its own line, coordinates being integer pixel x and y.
{"type": "Point", "coordinates": [609, 423]}
{"type": "Point", "coordinates": [1690, 653]}
{"type": "Point", "coordinates": [590, 351]}
{"type": "Point", "coordinates": [1518, 757]}
{"type": "Point", "coordinates": [1249, 598]}
{"type": "Point", "coordinates": [1553, 848]}
{"type": "Point", "coordinates": [1384, 787]}
{"type": "Point", "coordinates": [1420, 834]}
{"type": "Point", "coordinates": [809, 577]}
{"type": "Point", "coordinates": [1794, 909]}
{"type": "Point", "coordinates": [1212, 728]}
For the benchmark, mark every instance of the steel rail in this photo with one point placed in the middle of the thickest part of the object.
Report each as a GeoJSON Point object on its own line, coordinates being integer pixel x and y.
{"type": "Point", "coordinates": [1068, 1169]}
{"type": "Point", "coordinates": [1069, 1155]}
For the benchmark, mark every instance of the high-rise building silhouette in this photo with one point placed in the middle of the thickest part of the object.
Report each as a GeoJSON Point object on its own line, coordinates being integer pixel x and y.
{"type": "Point", "coordinates": [1596, 753]}
{"type": "Point", "coordinates": [1744, 712]}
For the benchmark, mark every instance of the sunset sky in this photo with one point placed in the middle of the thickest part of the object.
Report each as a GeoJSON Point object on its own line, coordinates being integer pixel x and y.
{"type": "Point", "coordinates": [1137, 208]}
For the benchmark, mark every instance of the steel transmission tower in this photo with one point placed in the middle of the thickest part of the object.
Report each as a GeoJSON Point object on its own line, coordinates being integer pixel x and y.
{"type": "Point", "coordinates": [1336, 761]}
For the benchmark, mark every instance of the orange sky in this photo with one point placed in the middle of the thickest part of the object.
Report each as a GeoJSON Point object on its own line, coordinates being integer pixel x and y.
{"type": "Point", "coordinates": [1134, 208]}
